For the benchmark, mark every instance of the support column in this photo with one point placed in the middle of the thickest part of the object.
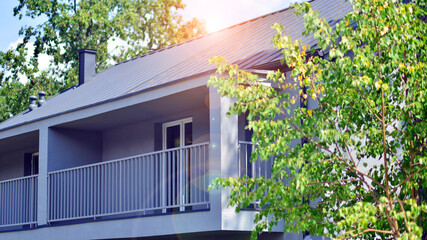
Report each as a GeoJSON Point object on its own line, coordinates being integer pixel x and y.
{"type": "Point", "coordinates": [42, 198]}
{"type": "Point", "coordinates": [229, 140]}
{"type": "Point", "coordinates": [223, 154]}
{"type": "Point", "coordinates": [229, 162]}
{"type": "Point", "coordinates": [215, 152]}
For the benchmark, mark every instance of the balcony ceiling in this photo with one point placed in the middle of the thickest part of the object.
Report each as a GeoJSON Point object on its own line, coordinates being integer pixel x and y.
{"type": "Point", "coordinates": [22, 141]}
{"type": "Point", "coordinates": [183, 101]}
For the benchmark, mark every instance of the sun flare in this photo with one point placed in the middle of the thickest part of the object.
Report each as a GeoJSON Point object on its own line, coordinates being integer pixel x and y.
{"type": "Point", "coordinates": [213, 25]}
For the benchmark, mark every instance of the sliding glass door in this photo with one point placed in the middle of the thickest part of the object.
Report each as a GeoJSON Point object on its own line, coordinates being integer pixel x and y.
{"type": "Point", "coordinates": [178, 134]}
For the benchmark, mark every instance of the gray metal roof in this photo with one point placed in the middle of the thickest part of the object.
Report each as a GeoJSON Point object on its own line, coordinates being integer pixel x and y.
{"type": "Point", "coordinates": [248, 44]}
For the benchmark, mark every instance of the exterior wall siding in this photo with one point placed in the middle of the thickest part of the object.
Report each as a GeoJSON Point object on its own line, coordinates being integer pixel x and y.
{"type": "Point", "coordinates": [71, 148]}
{"type": "Point", "coordinates": [12, 163]}
{"type": "Point", "coordinates": [139, 138]}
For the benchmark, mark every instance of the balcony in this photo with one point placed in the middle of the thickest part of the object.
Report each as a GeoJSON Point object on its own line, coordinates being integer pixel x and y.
{"type": "Point", "coordinates": [249, 169]}
{"type": "Point", "coordinates": [18, 201]}
{"type": "Point", "coordinates": [160, 182]}
{"type": "Point", "coordinates": [258, 168]}
{"type": "Point", "coordinates": [172, 180]}
{"type": "Point", "coordinates": [152, 183]}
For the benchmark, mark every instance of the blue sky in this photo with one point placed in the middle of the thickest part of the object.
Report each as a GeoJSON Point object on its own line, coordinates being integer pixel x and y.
{"type": "Point", "coordinates": [9, 25]}
{"type": "Point", "coordinates": [218, 14]}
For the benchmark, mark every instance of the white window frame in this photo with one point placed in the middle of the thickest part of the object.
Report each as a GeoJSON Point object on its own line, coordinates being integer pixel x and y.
{"type": "Point", "coordinates": [181, 123]}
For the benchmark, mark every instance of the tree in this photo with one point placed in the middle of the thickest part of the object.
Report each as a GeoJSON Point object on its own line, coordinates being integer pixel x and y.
{"type": "Point", "coordinates": [70, 25]}
{"type": "Point", "coordinates": [360, 168]}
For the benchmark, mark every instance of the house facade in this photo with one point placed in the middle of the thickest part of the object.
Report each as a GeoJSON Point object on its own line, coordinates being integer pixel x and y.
{"type": "Point", "coordinates": [129, 152]}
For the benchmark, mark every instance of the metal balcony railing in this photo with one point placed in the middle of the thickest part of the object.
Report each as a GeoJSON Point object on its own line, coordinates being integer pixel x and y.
{"type": "Point", "coordinates": [257, 168]}
{"type": "Point", "coordinates": [18, 201]}
{"type": "Point", "coordinates": [170, 179]}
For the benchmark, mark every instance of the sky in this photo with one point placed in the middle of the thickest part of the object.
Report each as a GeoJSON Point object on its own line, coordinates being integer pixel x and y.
{"type": "Point", "coordinates": [218, 14]}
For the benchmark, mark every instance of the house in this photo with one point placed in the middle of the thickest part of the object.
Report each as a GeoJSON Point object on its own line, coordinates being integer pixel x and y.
{"type": "Point", "coordinates": [130, 151]}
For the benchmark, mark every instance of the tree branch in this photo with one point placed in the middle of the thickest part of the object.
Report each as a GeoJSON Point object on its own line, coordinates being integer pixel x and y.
{"type": "Point", "coordinates": [407, 179]}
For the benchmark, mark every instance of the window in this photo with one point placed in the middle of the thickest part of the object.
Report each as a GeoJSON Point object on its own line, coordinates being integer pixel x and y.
{"type": "Point", "coordinates": [35, 163]}
{"type": "Point", "coordinates": [31, 164]}
{"type": "Point", "coordinates": [178, 133]}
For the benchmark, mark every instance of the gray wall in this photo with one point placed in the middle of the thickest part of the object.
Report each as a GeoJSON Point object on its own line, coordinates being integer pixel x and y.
{"type": "Point", "coordinates": [12, 163]}
{"type": "Point", "coordinates": [139, 138]}
{"type": "Point", "coordinates": [70, 148]}
{"type": "Point", "coordinates": [127, 140]}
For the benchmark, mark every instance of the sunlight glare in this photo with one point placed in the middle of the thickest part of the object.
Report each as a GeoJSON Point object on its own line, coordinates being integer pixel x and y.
{"type": "Point", "coordinates": [214, 24]}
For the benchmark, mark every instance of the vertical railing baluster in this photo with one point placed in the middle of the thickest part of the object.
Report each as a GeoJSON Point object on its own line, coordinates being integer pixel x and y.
{"type": "Point", "coordinates": [1, 204]}
{"type": "Point", "coordinates": [49, 210]}
{"type": "Point", "coordinates": [15, 204]}
{"type": "Point", "coordinates": [253, 163]}
{"type": "Point", "coordinates": [62, 196]}
{"type": "Point", "coordinates": [167, 178]}
{"type": "Point", "coordinates": [181, 178]}
{"type": "Point", "coordinates": [90, 184]}
{"type": "Point", "coordinates": [150, 169]}
{"type": "Point", "coordinates": [96, 191]}
{"type": "Point", "coordinates": [58, 199]}
{"type": "Point", "coordinates": [74, 191]}
{"type": "Point", "coordinates": [67, 195]}
{"type": "Point", "coordinates": [70, 199]}
{"type": "Point", "coordinates": [138, 185]}
{"type": "Point", "coordinates": [186, 176]}
{"type": "Point", "coordinates": [199, 164]}
{"type": "Point", "coordinates": [133, 190]}
{"type": "Point", "coordinates": [193, 176]}
{"type": "Point", "coordinates": [108, 193]}
{"type": "Point", "coordinates": [142, 183]}
{"type": "Point", "coordinates": [52, 193]}
{"type": "Point", "coordinates": [61, 189]}
{"type": "Point", "coordinates": [35, 194]}
{"type": "Point", "coordinates": [119, 190]}
{"type": "Point", "coordinates": [116, 189]}
{"type": "Point", "coordinates": [21, 218]}
{"type": "Point", "coordinates": [8, 201]}
{"type": "Point", "coordinates": [24, 196]}
{"type": "Point", "coordinates": [147, 183]}
{"type": "Point", "coordinates": [82, 189]}
{"type": "Point", "coordinates": [12, 202]}
{"type": "Point", "coordinates": [74, 183]}
{"type": "Point", "coordinates": [153, 183]}
{"type": "Point", "coordinates": [129, 184]}
{"type": "Point", "coordinates": [163, 180]}
{"type": "Point", "coordinates": [204, 174]}
{"type": "Point", "coordinates": [109, 180]}
{"type": "Point", "coordinates": [100, 190]}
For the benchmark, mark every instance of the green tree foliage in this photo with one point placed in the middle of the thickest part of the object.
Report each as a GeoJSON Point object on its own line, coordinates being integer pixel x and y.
{"type": "Point", "coordinates": [362, 169]}
{"type": "Point", "coordinates": [71, 25]}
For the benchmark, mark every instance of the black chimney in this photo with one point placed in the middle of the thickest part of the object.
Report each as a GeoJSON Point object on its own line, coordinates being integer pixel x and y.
{"type": "Point", "coordinates": [87, 65]}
